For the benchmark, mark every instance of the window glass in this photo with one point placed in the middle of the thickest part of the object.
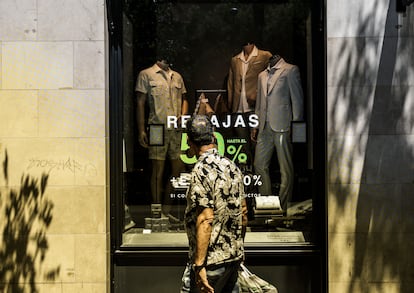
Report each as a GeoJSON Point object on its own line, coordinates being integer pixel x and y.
{"type": "Point", "coordinates": [219, 63]}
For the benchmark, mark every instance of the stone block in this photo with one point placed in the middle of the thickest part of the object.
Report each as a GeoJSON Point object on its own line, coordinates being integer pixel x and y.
{"type": "Point", "coordinates": [89, 67]}
{"type": "Point", "coordinates": [83, 20]}
{"type": "Point", "coordinates": [18, 20]}
{"type": "Point", "coordinates": [21, 123]}
{"type": "Point", "coordinates": [40, 65]}
{"type": "Point", "coordinates": [72, 113]}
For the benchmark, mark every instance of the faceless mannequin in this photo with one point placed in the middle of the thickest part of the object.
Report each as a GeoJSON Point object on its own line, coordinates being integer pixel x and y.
{"type": "Point", "coordinates": [165, 92]}
{"type": "Point", "coordinates": [163, 64]}
{"type": "Point", "coordinates": [242, 88]}
{"type": "Point", "coordinates": [273, 60]}
{"type": "Point", "coordinates": [248, 49]}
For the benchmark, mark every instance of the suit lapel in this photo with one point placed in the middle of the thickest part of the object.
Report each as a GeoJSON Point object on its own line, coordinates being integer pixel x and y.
{"type": "Point", "coordinates": [251, 62]}
{"type": "Point", "coordinates": [239, 66]}
{"type": "Point", "coordinates": [264, 85]}
{"type": "Point", "coordinates": [276, 76]}
{"type": "Point", "coordinates": [274, 79]}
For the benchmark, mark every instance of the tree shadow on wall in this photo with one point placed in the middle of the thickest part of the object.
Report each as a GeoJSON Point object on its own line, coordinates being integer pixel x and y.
{"type": "Point", "coordinates": [27, 214]}
{"type": "Point", "coordinates": [371, 121]}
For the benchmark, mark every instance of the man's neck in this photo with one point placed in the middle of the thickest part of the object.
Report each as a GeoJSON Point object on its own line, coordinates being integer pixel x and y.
{"type": "Point", "coordinates": [205, 148]}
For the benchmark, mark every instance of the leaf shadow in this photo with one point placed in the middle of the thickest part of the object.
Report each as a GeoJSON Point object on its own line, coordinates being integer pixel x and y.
{"type": "Point", "coordinates": [26, 216]}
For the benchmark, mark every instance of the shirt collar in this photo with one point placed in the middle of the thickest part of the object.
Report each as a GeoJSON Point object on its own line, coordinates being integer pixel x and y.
{"type": "Point", "coordinates": [208, 152]}
{"type": "Point", "coordinates": [254, 53]}
{"type": "Point", "coordinates": [158, 69]}
{"type": "Point", "coordinates": [276, 66]}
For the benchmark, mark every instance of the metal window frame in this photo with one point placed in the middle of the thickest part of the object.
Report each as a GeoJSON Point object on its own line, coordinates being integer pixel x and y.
{"type": "Point", "coordinates": [316, 254]}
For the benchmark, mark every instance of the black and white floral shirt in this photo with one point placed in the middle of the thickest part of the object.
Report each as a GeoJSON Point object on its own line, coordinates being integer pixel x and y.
{"type": "Point", "coordinates": [216, 183]}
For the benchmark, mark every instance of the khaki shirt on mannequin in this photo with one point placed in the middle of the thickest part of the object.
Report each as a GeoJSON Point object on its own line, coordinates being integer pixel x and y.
{"type": "Point", "coordinates": [164, 90]}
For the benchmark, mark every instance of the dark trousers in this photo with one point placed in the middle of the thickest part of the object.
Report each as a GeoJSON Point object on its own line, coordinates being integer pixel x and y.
{"type": "Point", "coordinates": [223, 278]}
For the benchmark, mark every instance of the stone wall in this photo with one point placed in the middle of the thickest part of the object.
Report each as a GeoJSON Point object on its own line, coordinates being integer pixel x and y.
{"type": "Point", "coordinates": [53, 122]}
{"type": "Point", "coordinates": [370, 146]}
{"type": "Point", "coordinates": [53, 146]}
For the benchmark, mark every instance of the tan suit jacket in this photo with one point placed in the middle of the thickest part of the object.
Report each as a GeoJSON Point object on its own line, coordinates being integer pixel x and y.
{"type": "Point", "coordinates": [234, 83]}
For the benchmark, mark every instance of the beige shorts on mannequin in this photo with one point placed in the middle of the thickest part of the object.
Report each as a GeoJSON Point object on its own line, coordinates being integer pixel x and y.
{"type": "Point", "coordinates": [171, 148]}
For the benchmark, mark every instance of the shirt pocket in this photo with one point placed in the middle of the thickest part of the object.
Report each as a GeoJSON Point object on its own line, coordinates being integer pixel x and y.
{"type": "Point", "coordinates": [177, 85]}
{"type": "Point", "coordinates": [156, 88]}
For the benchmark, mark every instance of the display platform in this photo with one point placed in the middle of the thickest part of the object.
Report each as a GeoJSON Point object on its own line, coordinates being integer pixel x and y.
{"type": "Point", "coordinates": [137, 237]}
{"type": "Point", "coordinates": [293, 228]}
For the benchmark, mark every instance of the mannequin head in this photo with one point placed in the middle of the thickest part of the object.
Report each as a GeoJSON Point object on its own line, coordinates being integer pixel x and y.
{"type": "Point", "coordinates": [163, 63]}
{"type": "Point", "coordinates": [248, 48]}
{"type": "Point", "coordinates": [273, 60]}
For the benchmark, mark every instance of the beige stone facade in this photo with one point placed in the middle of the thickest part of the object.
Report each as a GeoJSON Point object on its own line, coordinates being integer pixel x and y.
{"type": "Point", "coordinates": [53, 120]}
{"type": "Point", "coordinates": [370, 147]}
{"type": "Point", "coordinates": [53, 96]}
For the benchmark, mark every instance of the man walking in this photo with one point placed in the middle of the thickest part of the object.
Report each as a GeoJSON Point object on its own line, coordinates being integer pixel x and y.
{"type": "Point", "coordinates": [215, 216]}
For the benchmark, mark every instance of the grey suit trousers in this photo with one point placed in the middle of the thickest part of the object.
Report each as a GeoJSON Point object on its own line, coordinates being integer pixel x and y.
{"type": "Point", "coordinates": [267, 142]}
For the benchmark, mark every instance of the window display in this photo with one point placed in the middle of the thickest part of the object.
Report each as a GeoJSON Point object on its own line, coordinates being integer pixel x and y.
{"type": "Point", "coordinates": [247, 66]}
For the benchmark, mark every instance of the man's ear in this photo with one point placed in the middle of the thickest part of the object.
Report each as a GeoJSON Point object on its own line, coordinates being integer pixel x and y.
{"type": "Point", "coordinates": [214, 139]}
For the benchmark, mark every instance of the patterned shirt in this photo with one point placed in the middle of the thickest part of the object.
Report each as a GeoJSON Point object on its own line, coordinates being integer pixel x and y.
{"type": "Point", "coordinates": [216, 183]}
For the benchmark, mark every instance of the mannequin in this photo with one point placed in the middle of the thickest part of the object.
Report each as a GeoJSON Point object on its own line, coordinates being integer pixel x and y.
{"type": "Point", "coordinates": [279, 102]}
{"type": "Point", "coordinates": [242, 81]}
{"type": "Point", "coordinates": [163, 90]}
{"type": "Point", "coordinates": [273, 60]}
{"type": "Point", "coordinates": [242, 88]}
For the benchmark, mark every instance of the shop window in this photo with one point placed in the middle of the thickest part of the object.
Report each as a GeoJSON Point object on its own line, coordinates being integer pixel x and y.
{"type": "Point", "coordinates": [202, 43]}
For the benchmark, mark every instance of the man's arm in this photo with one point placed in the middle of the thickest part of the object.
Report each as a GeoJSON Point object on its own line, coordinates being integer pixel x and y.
{"type": "Point", "coordinates": [203, 231]}
{"type": "Point", "coordinates": [203, 228]}
{"type": "Point", "coordinates": [244, 217]}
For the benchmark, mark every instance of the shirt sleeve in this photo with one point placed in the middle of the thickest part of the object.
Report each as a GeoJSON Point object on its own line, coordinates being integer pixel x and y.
{"type": "Point", "coordinates": [201, 195]}
{"type": "Point", "coordinates": [142, 82]}
{"type": "Point", "coordinates": [296, 94]}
